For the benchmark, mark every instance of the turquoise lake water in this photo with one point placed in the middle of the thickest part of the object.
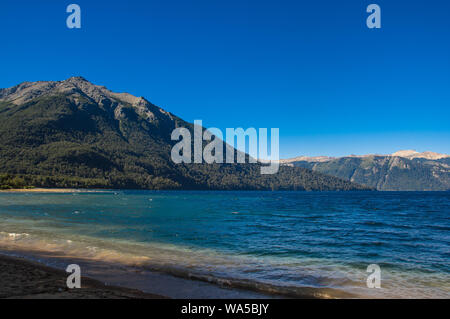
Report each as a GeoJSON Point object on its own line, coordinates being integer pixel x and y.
{"type": "Point", "coordinates": [275, 242]}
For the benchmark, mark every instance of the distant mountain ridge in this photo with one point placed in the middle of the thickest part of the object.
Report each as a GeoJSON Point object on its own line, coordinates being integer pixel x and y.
{"type": "Point", "coordinates": [406, 170]}
{"type": "Point", "coordinates": [73, 133]}
{"type": "Point", "coordinates": [413, 154]}
{"type": "Point", "coordinates": [410, 154]}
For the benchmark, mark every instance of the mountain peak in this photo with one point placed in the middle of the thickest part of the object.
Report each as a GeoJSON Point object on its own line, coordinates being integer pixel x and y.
{"type": "Point", "coordinates": [27, 91]}
{"type": "Point", "coordinates": [77, 79]}
{"type": "Point", "coordinates": [410, 154]}
{"type": "Point", "coordinates": [405, 153]}
{"type": "Point", "coordinates": [77, 87]}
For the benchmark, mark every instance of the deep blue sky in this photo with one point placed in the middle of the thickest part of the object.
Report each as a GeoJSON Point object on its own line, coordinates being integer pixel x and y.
{"type": "Point", "coordinates": [311, 68]}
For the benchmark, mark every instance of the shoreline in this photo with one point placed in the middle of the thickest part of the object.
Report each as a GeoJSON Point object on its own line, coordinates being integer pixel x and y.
{"type": "Point", "coordinates": [112, 190]}
{"type": "Point", "coordinates": [103, 280]}
{"type": "Point", "coordinates": [53, 190]}
{"type": "Point", "coordinates": [25, 279]}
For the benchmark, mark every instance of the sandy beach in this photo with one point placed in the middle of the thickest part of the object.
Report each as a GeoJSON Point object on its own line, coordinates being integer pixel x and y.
{"type": "Point", "coordinates": [23, 279]}
{"type": "Point", "coordinates": [52, 190]}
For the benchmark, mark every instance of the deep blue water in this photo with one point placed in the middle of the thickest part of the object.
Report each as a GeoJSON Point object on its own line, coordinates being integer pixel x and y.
{"type": "Point", "coordinates": [285, 240]}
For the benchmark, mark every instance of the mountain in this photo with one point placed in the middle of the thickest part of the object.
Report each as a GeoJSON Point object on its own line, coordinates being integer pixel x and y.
{"type": "Point", "coordinates": [73, 133]}
{"type": "Point", "coordinates": [401, 171]}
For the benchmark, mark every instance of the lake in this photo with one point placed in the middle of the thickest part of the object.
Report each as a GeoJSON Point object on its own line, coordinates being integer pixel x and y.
{"type": "Point", "coordinates": [293, 244]}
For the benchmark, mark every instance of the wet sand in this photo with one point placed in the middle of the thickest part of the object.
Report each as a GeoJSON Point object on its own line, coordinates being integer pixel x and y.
{"type": "Point", "coordinates": [20, 266]}
{"type": "Point", "coordinates": [23, 279]}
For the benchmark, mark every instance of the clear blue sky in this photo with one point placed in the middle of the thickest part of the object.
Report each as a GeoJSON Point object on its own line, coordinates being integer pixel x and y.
{"type": "Point", "coordinates": [311, 68]}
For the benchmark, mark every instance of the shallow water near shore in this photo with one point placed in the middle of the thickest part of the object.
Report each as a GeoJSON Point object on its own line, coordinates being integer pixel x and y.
{"type": "Point", "coordinates": [295, 244]}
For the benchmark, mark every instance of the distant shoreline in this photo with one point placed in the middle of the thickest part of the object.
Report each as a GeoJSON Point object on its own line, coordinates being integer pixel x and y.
{"type": "Point", "coordinates": [97, 190]}
{"type": "Point", "coordinates": [52, 190]}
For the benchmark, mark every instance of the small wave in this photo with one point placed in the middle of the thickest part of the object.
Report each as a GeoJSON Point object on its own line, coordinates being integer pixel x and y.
{"type": "Point", "coordinates": [375, 243]}
{"type": "Point", "coordinates": [304, 292]}
{"type": "Point", "coordinates": [17, 242]}
{"type": "Point", "coordinates": [13, 236]}
{"type": "Point", "coordinates": [438, 227]}
{"type": "Point", "coordinates": [372, 223]}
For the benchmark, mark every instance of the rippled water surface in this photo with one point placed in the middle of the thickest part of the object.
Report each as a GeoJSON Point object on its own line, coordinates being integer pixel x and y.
{"type": "Point", "coordinates": [291, 243]}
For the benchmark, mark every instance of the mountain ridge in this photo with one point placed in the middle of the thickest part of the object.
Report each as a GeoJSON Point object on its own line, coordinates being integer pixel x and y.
{"type": "Point", "coordinates": [410, 154]}
{"type": "Point", "coordinates": [401, 171]}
